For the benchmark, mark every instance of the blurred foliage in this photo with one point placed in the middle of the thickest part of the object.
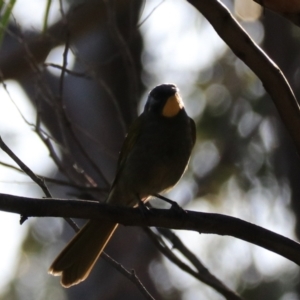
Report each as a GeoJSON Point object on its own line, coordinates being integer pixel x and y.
{"type": "Point", "coordinates": [235, 124]}
{"type": "Point", "coordinates": [239, 167]}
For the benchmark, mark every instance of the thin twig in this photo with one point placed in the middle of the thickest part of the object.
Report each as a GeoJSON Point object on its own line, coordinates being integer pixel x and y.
{"type": "Point", "coordinates": [57, 181]}
{"type": "Point", "coordinates": [203, 273]}
{"type": "Point", "coordinates": [178, 244]}
{"type": "Point", "coordinates": [79, 128]}
{"type": "Point", "coordinates": [80, 21]}
{"type": "Point", "coordinates": [150, 14]}
{"type": "Point", "coordinates": [130, 275]}
{"type": "Point", "coordinates": [66, 124]}
{"type": "Point", "coordinates": [106, 88]}
{"type": "Point", "coordinates": [68, 71]}
{"type": "Point", "coordinates": [64, 67]}
{"type": "Point", "coordinates": [25, 169]}
{"type": "Point", "coordinates": [66, 169]}
{"type": "Point", "coordinates": [48, 96]}
{"type": "Point", "coordinates": [205, 277]}
{"type": "Point", "coordinates": [14, 103]}
{"type": "Point", "coordinates": [34, 126]}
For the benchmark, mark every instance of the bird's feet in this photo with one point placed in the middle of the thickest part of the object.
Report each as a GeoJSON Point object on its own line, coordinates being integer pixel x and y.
{"type": "Point", "coordinates": [144, 208]}
{"type": "Point", "coordinates": [174, 205]}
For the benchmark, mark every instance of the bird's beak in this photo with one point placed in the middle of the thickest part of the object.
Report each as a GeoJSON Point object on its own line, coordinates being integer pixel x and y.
{"type": "Point", "coordinates": [173, 105]}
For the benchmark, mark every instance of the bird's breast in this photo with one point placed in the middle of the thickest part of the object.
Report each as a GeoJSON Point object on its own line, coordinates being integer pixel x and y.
{"type": "Point", "coordinates": [157, 160]}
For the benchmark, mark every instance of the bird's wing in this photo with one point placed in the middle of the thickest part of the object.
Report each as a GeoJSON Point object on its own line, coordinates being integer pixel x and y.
{"type": "Point", "coordinates": [130, 140]}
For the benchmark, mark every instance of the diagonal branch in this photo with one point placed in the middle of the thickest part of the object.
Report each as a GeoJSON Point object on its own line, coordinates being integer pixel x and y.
{"type": "Point", "coordinates": [253, 56]}
{"type": "Point", "coordinates": [39, 181]}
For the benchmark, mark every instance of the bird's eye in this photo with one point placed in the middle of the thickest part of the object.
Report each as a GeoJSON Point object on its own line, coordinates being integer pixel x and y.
{"type": "Point", "coordinates": [152, 104]}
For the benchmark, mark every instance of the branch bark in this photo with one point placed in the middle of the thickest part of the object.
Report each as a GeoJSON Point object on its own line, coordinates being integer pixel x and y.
{"type": "Point", "coordinates": [166, 218]}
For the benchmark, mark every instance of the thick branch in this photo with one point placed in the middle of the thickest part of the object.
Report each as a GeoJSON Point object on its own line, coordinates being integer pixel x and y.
{"type": "Point", "coordinates": [188, 220]}
{"type": "Point", "coordinates": [266, 70]}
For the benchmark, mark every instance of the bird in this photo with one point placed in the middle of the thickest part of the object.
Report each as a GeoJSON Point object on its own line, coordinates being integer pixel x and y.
{"type": "Point", "coordinates": [153, 157]}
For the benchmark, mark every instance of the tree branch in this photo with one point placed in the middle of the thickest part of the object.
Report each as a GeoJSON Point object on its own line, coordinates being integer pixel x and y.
{"type": "Point", "coordinates": [255, 58]}
{"type": "Point", "coordinates": [190, 220]}
{"type": "Point", "coordinates": [39, 181]}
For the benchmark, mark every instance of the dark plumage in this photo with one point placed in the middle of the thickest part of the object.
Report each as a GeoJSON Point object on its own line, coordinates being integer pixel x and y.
{"type": "Point", "coordinates": [153, 158]}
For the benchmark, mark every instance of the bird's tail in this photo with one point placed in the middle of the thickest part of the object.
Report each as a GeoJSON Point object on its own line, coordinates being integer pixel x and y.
{"type": "Point", "coordinates": [77, 259]}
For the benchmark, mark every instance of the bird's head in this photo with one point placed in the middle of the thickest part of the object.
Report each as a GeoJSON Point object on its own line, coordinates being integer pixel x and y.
{"type": "Point", "coordinates": [165, 100]}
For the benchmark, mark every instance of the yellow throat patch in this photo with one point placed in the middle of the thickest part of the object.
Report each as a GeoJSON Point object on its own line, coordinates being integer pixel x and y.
{"type": "Point", "coordinates": [172, 107]}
